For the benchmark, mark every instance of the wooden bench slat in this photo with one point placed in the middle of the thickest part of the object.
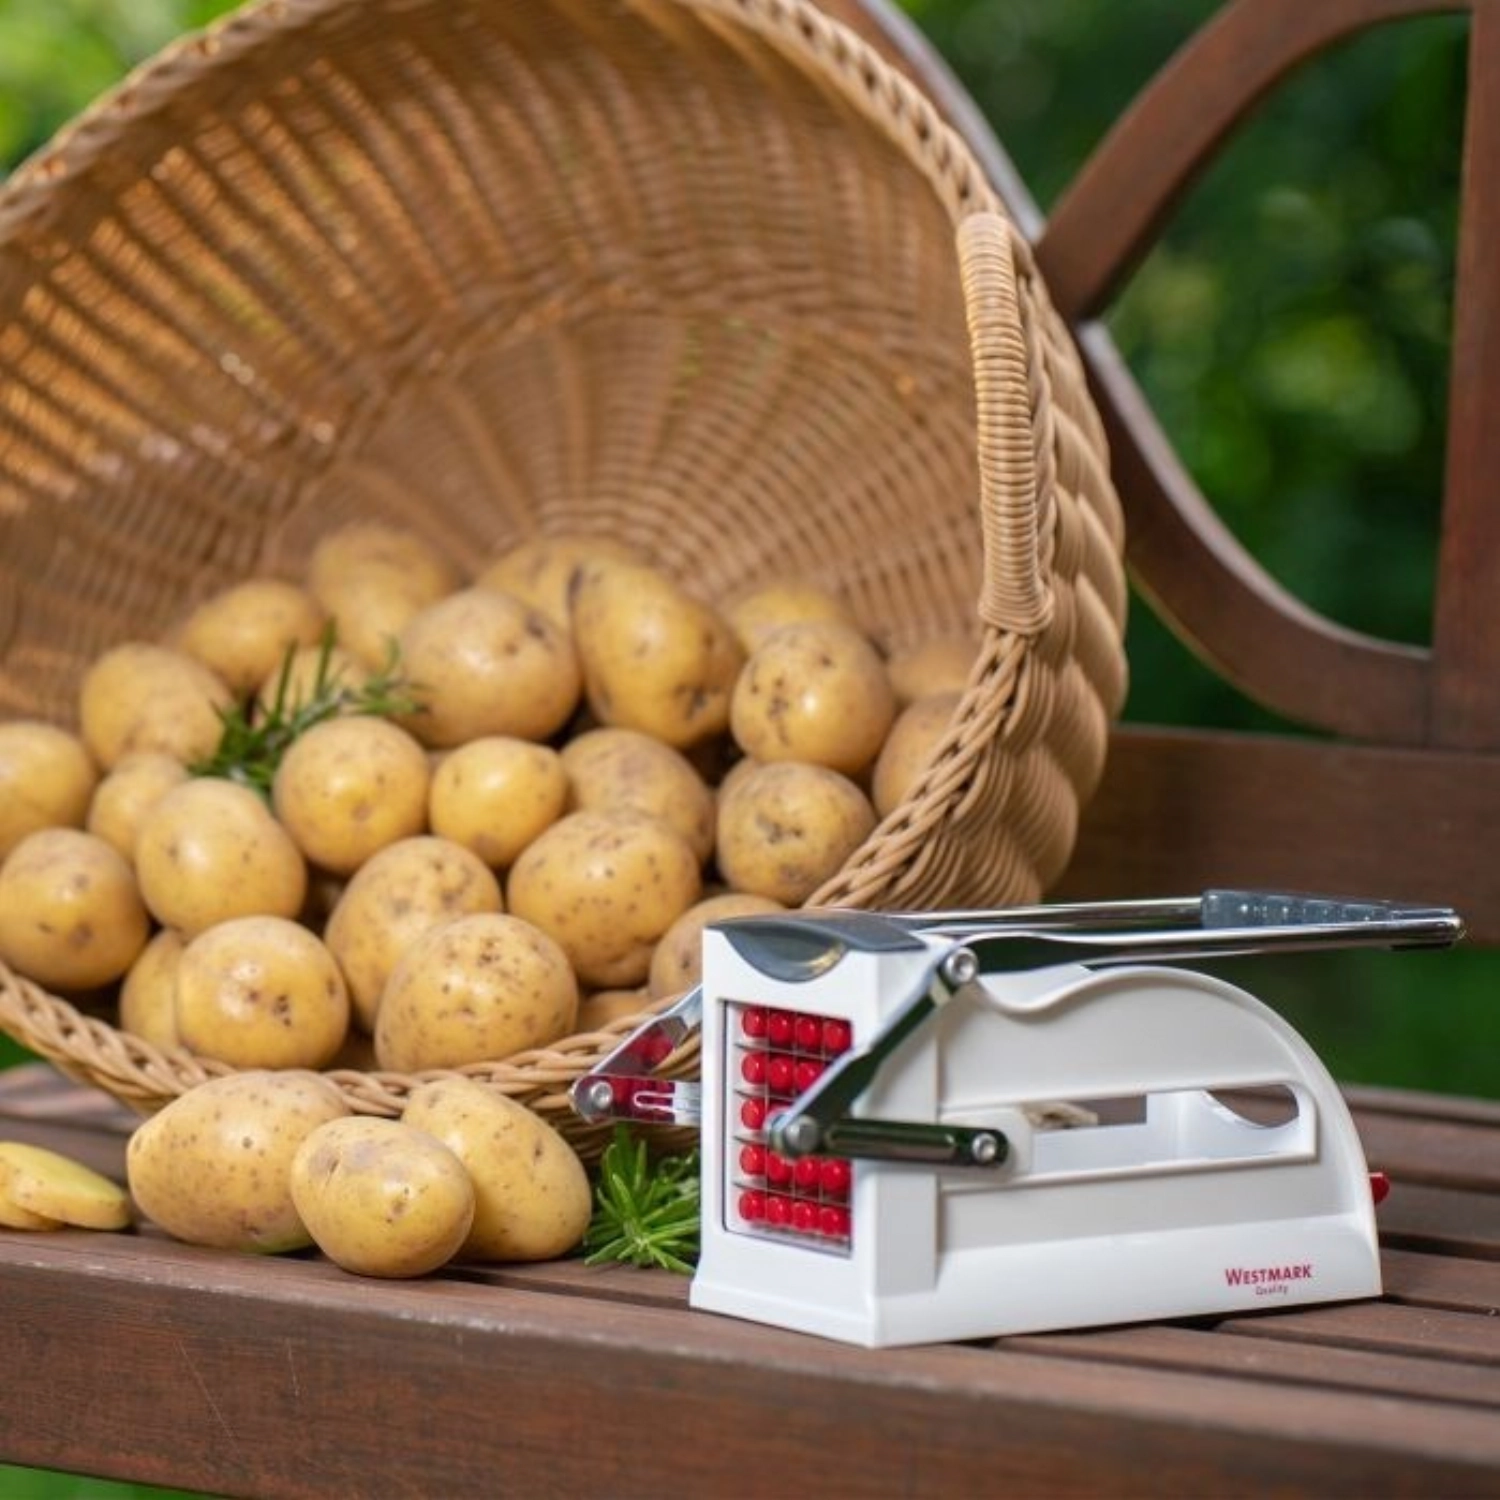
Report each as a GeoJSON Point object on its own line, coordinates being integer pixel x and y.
{"type": "Point", "coordinates": [1382, 1328]}
{"type": "Point", "coordinates": [1441, 1281]}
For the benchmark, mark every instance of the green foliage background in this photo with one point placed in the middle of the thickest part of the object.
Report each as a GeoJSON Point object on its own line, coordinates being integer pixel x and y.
{"type": "Point", "coordinates": [1291, 332]}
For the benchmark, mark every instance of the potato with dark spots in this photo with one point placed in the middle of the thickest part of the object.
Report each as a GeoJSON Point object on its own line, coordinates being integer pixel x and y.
{"type": "Point", "coordinates": [209, 851]}
{"type": "Point", "coordinates": [261, 992]}
{"type": "Point", "coordinates": [214, 1165]}
{"type": "Point", "coordinates": [349, 787]}
{"type": "Point", "coordinates": [909, 748]}
{"type": "Point", "coordinates": [787, 827]}
{"type": "Point", "coordinates": [623, 770]}
{"type": "Point", "coordinates": [381, 1197]}
{"type": "Point", "coordinates": [606, 886]}
{"type": "Point", "coordinates": [541, 571]}
{"type": "Point", "coordinates": [139, 696]}
{"type": "Point", "coordinates": [481, 662]}
{"type": "Point", "coordinates": [495, 795]}
{"type": "Point", "coordinates": [47, 779]}
{"type": "Point", "coordinates": [814, 692]}
{"type": "Point", "coordinates": [396, 896]}
{"type": "Point", "coordinates": [71, 914]}
{"type": "Point", "coordinates": [654, 658]}
{"type": "Point", "coordinates": [532, 1199]}
{"type": "Point", "coordinates": [243, 633]}
{"type": "Point", "coordinates": [472, 990]}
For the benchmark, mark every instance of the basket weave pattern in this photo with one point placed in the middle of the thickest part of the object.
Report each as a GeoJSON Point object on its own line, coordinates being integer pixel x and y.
{"type": "Point", "coordinates": [704, 275]}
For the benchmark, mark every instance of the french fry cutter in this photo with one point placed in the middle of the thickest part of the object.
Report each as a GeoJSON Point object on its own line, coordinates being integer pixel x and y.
{"type": "Point", "coordinates": [951, 1125]}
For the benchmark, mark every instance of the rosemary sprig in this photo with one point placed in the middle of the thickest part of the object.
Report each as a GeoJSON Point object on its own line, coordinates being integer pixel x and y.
{"type": "Point", "coordinates": [253, 740]}
{"type": "Point", "coordinates": [645, 1212]}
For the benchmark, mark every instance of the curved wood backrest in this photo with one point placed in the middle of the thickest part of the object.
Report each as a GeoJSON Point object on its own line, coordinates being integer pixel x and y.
{"type": "Point", "coordinates": [1400, 800]}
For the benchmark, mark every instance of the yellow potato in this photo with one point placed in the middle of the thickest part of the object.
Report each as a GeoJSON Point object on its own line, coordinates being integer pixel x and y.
{"type": "Point", "coordinates": [495, 795]}
{"type": "Point", "coordinates": [788, 827]}
{"type": "Point", "coordinates": [908, 748]}
{"type": "Point", "coordinates": [13, 1216]}
{"type": "Point", "coordinates": [472, 990]}
{"type": "Point", "coordinates": [210, 850]}
{"type": "Point", "coordinates": [815, 693]}
{"type": "Point", "coordinates": [382, 1198]}
{"type": "Point", "coordinates": [213, 1166]}
{"type": "Point", "coordinates": [604, 1007]}
{"type": "Point", "coordinates": [677, 963]}
{"type": "Point", "coordinates": [623, 770]}
{"type": "Point", "coordinates": [789, 601]}
{"type": "Point", "coordinates": [606, 886]}
{"type": "Point", "coordinates": [296, 678]}
{"type": "Point", "coordinates": [369, 614]}
{"type": "Point", "coordinates": [148, 998]}
{"type": "Point", "coordinates": [71, 915]}
{"type": "Point", "coordinates": [398, 894]}
{"type": "Point", "coordinates": [541, 571]}
{"type": "Point", "coordinates": [53, 1186]}
{"type": "Point", "coordinates": [483, 663]}
{"type": "Point", "coordinates": [46, 780]}
{"type": "Point", "coordinates": [653, 657]}
{"type": "Point", "coordinates": [532, 1199]}
{"type": "Point", "coordinates": [261, 992]}
{"type": "Point", "coordinates": [127, 794]}
{"type": "Point", "coordinates": [349, 787]}
{"type": "Point", "coordinates": [144, 697]}
{"type": "Point", "coordinates": [365, 550]}
{"type": "Point", "coordinates": [940, 664]}
{"type": "Point", "coordinates": [243, 633]}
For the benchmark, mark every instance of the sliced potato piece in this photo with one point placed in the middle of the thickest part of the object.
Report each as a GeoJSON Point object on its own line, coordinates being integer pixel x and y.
{"type": "Point", "coordinates": [53, 1186]}
{"type": "Point", "coordinates": [13, 1216]}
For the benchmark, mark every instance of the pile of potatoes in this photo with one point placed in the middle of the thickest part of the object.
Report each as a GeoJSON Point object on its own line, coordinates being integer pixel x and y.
{"type": "Point", "coordinates": [593, 764]}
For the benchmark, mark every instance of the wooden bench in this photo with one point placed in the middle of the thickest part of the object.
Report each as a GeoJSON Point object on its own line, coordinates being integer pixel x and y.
{"type": "Point", "coordinates": [133, 1356]}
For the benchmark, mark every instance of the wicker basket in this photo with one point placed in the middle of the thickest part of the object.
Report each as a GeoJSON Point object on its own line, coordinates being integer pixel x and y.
{"type": "Point", "coordinates": [705, 275]}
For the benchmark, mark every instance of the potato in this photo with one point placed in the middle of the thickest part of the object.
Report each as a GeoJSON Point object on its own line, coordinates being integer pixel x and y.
{"type": "Point", "coordinates": [349, 787]}
{"type": "Point", "coordinates": [606, 886]}
{"type": "Point", "coordinates": [495, 795]}
{"type": "Point", "coordinates": [482, 663]}
{"type": "Point", "coordinates": [13, 1216]}
{"type": "Point", "coordinates": [790, 601]}
{"type": "Point", "coordinates": [815, 693]}
{"type": "Point", "coordinates": [788, 827]}
{"type": "Point", "coordinates": [908, 748]}
{"type": "Point", "coordinates": [604, 1007]}
{"type": "Point", "coordinates": [364, 550]}
{"type": "Point", "coordinates": [52, 1186]}
{"type": "Point", "coordinates": [623, 770]}
{"type": "Point", "coordinates": [541, 571]}
{"type": "Point", "coordinates": [677, 963]}
{"type": "Point", "coordinates": [940, 664]}
{"type": "Point", "coordinates": [71, 915]}
{"type": "Point", "coordinates": [369, 615]}
{"type": "Point", "coordinates": [474, 989]}
{"type": "Point", "coordinates": [532, 1199]}
{"type": "Point", "coordinates": [46, 780]}
{"type": "Point", "coordinates": [144, 697]}
{"type": "Point", "coordinates": [127, 794]}
{"type": "Point", "coordinates": [653, 657]}
{"type": "Point", "coordinates": [210, 850]}
{"type": "Point", "coordinates": [243, 633]}
{"type": "Point", "coordinates": [148, 998]}
{"type": "Point", "coordinates": [398, 894]}
{"type": "Point", "coordinates": [261, 992]}
{"type": "Point", "coordinates": [380, 1197]}
{"type": "Point", "coordinates": [297, 677]}
{"type": "Point", "coordinates": [214, 1165]}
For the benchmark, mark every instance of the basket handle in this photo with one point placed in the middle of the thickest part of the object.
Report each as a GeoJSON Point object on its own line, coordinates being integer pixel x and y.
{"type": "Point", "coordinates": [1014, 423]}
